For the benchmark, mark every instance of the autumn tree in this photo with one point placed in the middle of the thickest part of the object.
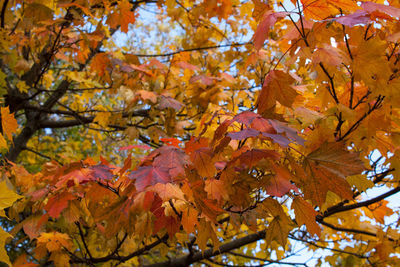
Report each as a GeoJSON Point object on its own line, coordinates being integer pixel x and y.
{"type": "Point", "coordinates": [214, 132]}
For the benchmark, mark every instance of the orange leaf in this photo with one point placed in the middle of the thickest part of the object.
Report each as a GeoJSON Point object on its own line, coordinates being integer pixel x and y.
{"type": "Point", "coordinates": [305, 214]}
{"type": "Point", "coordinates": [167, 191]}
{"type": "Point", "coordinates": [8, 122]}
{"type": "Point", "coordinates": [189, 219]}
{"type": "Point", "coordinates": [326, 169]}
{"type": "Point", "coordinates": [277, 87]}
{"type": "Point", "coordinates": [203, 162]}
{"type": "Point", "coordinates": [216, 189]}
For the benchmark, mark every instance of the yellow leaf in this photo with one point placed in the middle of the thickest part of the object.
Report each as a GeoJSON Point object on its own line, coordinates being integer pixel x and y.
{"type": "Point", "coordinates": [3, 253]}
{"type": "Point", "coordinates": [8, 196]}
{"type": "Point", "coordinates": [54, 241]}
{"type": "Point", "coordinates": [360, 181]}
{"type": "Point", "coordinates": [102, 119]}
{"type": "Point", "coordinates": [8, 122]}
{"type": "Point", "coordinates": [22, 87]}
{"type": "Point", "coordinates": [3, 142]}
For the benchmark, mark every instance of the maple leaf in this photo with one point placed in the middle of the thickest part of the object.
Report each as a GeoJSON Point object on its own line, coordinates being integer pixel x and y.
{"type": "Point", "coordinates": [167, 191]}
{"type": "Point", "coordinates": [8, 122]}
{"type": "Point", "coordinates": [277, 87]}
{"type": "Point", "coordinates": [280, 226]}
{"type": "Point", "coordinates": [281, 127]}
{"type": "Point", "coordinates": [31, 226]}
{"type": "Point", "coordinates": [57, 203]}
{"type": "Point", "coordinates": [253, 156]}
{"type": "Point", "coordinates": [8, 196]}
{"type": "Point", "coordinates": [305, 214]}
{"type": "Point", "coordinates": [246, 117]}
{"type": "Point", "coordinates": [372, 7]}
{"type": "Point", "coordinates": [169, 102]}
{"type": "Point", "coordinates": [100, 63]}
{"type": "Point", "coordinates": [268, 20]}
{"type": "Point", "coordinates": [326, 169]}
{"type": "Point", "coordinates": [123, 16]}
{"type": "Point", "coordinates": [173, 159]}
{"type": "Point", "coordinates": [150, 175]}
{"type": "Point", "coordinates": [38, 12]}
{"type": "Point", "coordinates": [3, 252]}
{"type": "Point", "coordinates": [55, 241]}
{"type": "Point", "coordinates": [202, 160]}
{"type": "Point", "coordinates": [358, 17]}
{"type": "Point", "coordinates": [3, 142]}
{"type": "Point", "coordinates": [101, 172]}
{"type": "Point", "coordinates": [189, 219]}
{"type": "Point", "coordinates": [243, 134]}
{"type": "Point", "coordinates": [279, 184]}
{"type": "Point", "coordinates": [260, 7]}
{"type": "Point", "coordinates": [322, 9]}
{"type": "Point", "coordinates": [216, 189]}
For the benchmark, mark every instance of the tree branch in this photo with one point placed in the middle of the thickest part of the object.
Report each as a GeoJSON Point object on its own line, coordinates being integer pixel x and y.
{"type": "Point", "coordinates": [112, 256]}
{"type": "Point", "coordinates": [198, 256]}
{"type": "Point", "coordinates": [348, 230]}
{"type": "Point", "coordinates": [361, 204]}
{"type": "Point", "coordinates": [191, 49]}
{"type": "Point", "coordinates": [3, 13]}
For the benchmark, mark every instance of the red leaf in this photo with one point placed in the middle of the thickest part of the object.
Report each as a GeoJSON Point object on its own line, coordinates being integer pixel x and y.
{"type": "Point", "coordinates": [269, 19]}
{"type": "Point", "coordinates": [149, 175]}
{"type": "Point", "coordinates": [291, 133]}
{"type": "Point", "coordinates": [246, 117]}
{"type": "Point", "coordinates": [31, 227]}
{"type": "Point", "coordinates": [102, 172]}
{"type": "Point", "coordinates": [171, 225]}
{"type": "Point", "coordinates": [171, 142]}
{"type": "Point", "coordinates": [243, 134]}
{"type": "Point", "coordinates": [279, 139]}
{"type": "Point", "coordinates": [371, 7]}
{"type": "Point", "coordinates": [204, 79]}
{"type": "Point", "coordinates": [262, 125]}
{"type": "Point", "coordinates": [169, 102]}
{"type": "Point", "coordinates": [252, 157]}
{"type": "Point", "coordinates": [280, 184]}
{"type": "Point", "coordinates": [221, 130]}
{"type": "Point", "coordinates": [185, 65]}
{"type": "Point", "coordinates": [75, 177]}
{"type": "Point", "coordinates": [58, 203]}
{"type": "Point", "coordinates": [195, 143]}
{"type": "Point", "coordinates": [172, 159]}
{"type": "Point", "coordinates": [358, 17]}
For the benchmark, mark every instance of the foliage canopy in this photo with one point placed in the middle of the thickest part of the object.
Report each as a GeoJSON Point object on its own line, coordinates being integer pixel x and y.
{"type": "Point", "coordinates": [216, 132]}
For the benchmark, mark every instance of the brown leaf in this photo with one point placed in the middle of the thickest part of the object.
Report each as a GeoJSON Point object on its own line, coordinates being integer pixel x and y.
{"type": "Point", "coordinates": [202, 160]}
{"type": "Point", "coordinates": [326, 169]}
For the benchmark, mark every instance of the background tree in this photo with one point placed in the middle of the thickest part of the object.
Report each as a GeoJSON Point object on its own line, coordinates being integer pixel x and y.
{"type": "Point", "coordinates": [215, 132]}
